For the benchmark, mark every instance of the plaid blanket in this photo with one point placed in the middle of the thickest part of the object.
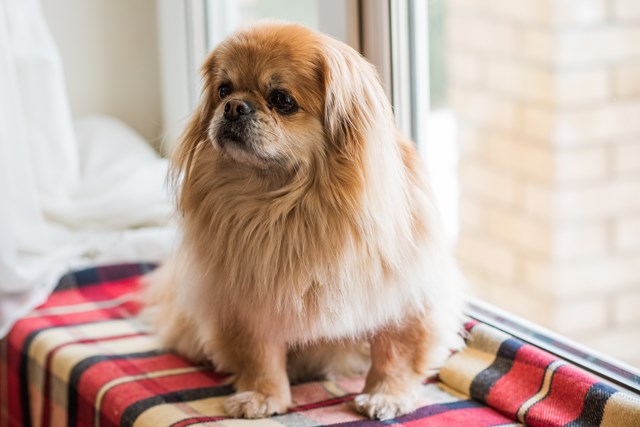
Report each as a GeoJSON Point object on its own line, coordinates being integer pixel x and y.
{"type": "Point", "coordinates": [82, 358]}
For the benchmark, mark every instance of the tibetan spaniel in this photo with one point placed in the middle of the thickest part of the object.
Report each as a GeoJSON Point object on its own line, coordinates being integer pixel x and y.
{"type": "Point", "coordinates": [310, 243]}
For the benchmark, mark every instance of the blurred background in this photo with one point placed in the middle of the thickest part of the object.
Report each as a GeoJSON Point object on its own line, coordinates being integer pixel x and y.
{"type": "Point", "coordinates": [526, 112]}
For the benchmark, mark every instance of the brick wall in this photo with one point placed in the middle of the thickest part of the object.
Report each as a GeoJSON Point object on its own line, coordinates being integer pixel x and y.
{"type": "Point", "coordinates": [547, 96]}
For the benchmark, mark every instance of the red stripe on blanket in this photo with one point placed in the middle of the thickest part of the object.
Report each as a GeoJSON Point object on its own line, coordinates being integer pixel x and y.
{"type": "Point", "coordinates": [468, 326]}
{"type": "Point", "coordinates": [14, 384]}
{"type": "Point", "coordinates": [101, 373]}
{"type": "Point", "coordinates": [196, 420]}
{"type": "Point", "coordinates": [117, 399]}
{"type": "Point", "coordinates": [95, 293]}
{"type": "Point", "coordinates": [468, 417]}
{"type": "Point", "coordinates": [322, 403]}
{"type": "Point", "coordinates": [4, 384]}
{"type": "Point", "coordinates": [28, 326]}
{"type": "Point", "coordinates": [25, 327]}
{"type": "Point", "coordinates": [521, 382]}
{"type": "Point", "coordinates": [565, 400]}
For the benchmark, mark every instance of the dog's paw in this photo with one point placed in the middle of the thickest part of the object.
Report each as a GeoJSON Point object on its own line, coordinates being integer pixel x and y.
{"type": "Point", "coordinates": [381, 406]}
{"type": "Point", "coordinates": [252, 404]}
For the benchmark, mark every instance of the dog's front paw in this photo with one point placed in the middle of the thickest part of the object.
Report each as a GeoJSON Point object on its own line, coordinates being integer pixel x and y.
{"type": "Point", "coordinates": [252, 404]}
{"type": "Point", "coordinates": [382, 406]}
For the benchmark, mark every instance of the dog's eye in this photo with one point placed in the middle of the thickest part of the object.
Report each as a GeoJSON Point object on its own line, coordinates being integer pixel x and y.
{"type": "Point", "coordinates": [224, 91]}
{"type": "Point", "coordinates": [283, 102]}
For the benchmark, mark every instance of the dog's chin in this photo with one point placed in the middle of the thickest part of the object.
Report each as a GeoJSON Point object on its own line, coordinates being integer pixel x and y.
{"type": "Point", "coordinates": [244, 153]}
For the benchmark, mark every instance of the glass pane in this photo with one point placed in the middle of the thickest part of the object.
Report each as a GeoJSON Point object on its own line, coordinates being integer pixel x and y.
{"type": "Point", "coordinates": [437, 69]}
{"type": "Point", "coordinates": [223, 17]}
{"type": "Point", "coordinates": [302, 11]}
{"type": "Point", "coordinates": [548, 223]}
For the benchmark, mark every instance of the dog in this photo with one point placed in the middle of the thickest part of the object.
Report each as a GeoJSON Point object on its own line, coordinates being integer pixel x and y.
{"type": "Point", "coordinates": [310, 242]}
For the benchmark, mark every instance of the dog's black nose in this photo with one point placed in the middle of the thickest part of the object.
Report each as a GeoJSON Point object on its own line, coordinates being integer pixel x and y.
{"type": "Point", "coordinates": [235, 108]}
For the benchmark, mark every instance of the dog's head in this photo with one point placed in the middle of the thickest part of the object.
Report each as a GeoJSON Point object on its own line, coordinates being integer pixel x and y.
{"type": "Point", "coordinates": [266, 92]}
{"type": "Point", "coordinates": [280, 96]}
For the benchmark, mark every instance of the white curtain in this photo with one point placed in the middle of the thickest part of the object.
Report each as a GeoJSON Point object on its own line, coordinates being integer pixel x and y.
{"type": "Point", "coordinates": [71, 194]}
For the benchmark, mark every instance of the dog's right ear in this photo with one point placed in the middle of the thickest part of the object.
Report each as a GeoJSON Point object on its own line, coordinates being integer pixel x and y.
{"type": "Point", "coordinates": [195, 134]}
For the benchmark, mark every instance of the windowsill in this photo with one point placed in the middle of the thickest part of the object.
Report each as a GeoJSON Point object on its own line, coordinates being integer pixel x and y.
{"type": "Point", "coordinates": [616, 373]}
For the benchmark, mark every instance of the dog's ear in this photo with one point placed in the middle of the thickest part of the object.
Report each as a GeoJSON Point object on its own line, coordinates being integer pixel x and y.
{"type": "Point", "coordinates": [195, 134]}
{"type": "Point", "coordinates": [354, 99]}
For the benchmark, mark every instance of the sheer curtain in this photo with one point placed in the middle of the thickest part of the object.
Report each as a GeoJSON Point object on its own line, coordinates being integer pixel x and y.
{"type": "Point", "coordinates": [71, 194]}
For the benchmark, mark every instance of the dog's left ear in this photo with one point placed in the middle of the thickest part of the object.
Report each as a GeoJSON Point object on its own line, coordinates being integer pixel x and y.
{"type": "Point", "coordinates": [355, 102]}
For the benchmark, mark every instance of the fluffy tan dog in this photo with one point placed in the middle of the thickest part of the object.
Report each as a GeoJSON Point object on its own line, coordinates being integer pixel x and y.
{"type": "Point", "coordinates": [307, 230]}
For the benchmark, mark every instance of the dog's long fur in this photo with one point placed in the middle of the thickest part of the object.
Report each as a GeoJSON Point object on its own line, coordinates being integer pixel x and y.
{"type": "Point", "coordinates": [321, 236]}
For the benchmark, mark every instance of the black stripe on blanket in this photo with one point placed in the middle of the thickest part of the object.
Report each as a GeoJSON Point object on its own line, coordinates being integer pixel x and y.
{"type": "Point", "coordinates": [81, 367]}
{"type": "Point", "coordinates": [98, 275]}
{"type": "Point", "coordinates": [134, 410]}
{"type": "Point", "coordinates": [593, 407]}
{"type": "Point", "coordinates": [485, 380]}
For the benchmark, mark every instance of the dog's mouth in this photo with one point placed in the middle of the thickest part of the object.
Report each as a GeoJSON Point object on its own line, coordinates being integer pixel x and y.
{"type": "Point", "coordinates": [231, 133]}
{"type": "Point", "coordinates": [238, 141]}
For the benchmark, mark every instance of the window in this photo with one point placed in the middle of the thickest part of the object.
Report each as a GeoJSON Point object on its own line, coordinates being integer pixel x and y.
{"type": "Point", "coordinates": [534, 110]}
{"type": "Point", "coordinates": [190, 29]}
{"type": "Point", "coordinates": [544, 225]}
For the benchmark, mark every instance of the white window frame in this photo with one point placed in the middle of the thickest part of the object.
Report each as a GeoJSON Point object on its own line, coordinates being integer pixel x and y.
{"type": "Point", "coordinates": [388, 42]}
{"type": "Point", "coordinates": [182, 48]}
{"type": "Point", "coordinates": [339, 18]}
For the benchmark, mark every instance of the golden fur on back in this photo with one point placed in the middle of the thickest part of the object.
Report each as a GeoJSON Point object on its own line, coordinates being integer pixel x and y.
{"type": "Point", "coordinates": [322, 235]}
